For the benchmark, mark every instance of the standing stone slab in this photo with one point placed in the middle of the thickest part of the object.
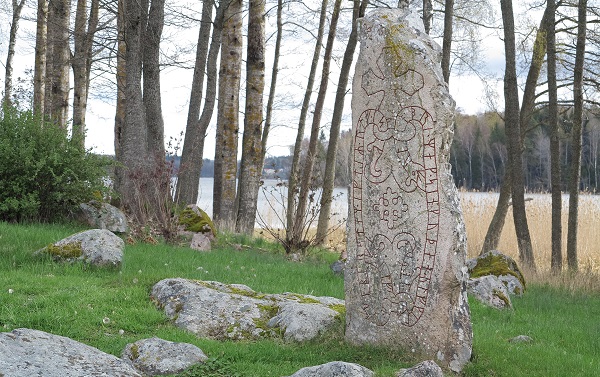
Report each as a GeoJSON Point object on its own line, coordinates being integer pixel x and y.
{"type": "Point", "coordinates": [405, 276]}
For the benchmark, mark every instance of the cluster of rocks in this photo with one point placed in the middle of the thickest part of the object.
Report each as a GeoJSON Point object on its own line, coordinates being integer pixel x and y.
{"type": "Point", "coordinates": [27, 352]}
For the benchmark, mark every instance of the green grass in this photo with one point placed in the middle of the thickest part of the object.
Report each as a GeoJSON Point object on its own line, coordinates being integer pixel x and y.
{"type": "Point", "coordinates": [73, 300]}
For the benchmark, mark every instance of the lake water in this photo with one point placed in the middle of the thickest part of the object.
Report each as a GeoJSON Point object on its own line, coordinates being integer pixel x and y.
{"type": "Point", "coordinates": [272, 201]}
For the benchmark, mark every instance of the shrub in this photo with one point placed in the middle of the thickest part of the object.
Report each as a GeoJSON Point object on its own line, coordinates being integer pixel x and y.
{"type": "Point", "coordinates": [44, 175]}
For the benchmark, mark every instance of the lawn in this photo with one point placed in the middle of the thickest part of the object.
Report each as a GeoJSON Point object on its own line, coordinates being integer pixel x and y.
{"type": "Point", "coordinates": [108, 309]}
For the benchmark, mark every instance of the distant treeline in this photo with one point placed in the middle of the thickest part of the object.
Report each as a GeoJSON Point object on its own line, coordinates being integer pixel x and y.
{"type": "Point", "coordinates": [478, 155]}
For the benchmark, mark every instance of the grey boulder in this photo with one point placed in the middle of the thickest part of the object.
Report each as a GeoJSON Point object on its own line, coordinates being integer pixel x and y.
{"type": "Point", "coordinates": [98, 247]}
{"type": "Point", "coordinates": [104, 216]}
{"type": "Point", "coordinates": [490, 291]}
{"type": "Point", "coordinates": [157, 357]}
{"type": "Point", "coordinates": [26, 353]}
{"type": "Point", "coordinates": [334, 369]}
{"type": "Point", "coordinates": [233, 311]}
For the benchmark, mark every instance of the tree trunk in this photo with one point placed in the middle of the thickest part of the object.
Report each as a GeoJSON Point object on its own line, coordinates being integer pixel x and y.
{"type": "Point", "coordinates": [294, 170]}
{"type": "Point", "coordinates": [575, 177]}
{"type": "Point", "coordinates": [189, 173]}
{"type": "Point", "coordinates": [121, 78]}
{"type": "Point", "coordinates": [515, 145]}
{"type": "Point", "coordinates": [274, 71]}
{"type": "Point", "coordinates": [151, 89]}
{"type": "Point", "coordinates": [14, 26]}
{"type": "Point", "coordinates": [251, 167]}
{"type": "Point", "coordinates": [228, 118]}
{"type": "Point", "coordinates": [492, 237]}
{"type": "Point", "coordinates": [316, 124]}
{"type": "Point", "coordinates": [334, 132]}
{"type": "Point", "coordinates": [41, 45]}
{"type": "Point", "coordinates": [427, 15]}
{"type": "Point", "coordinates": [134, 134]}
{"type": "Point", "coordinates": [447, 39]}
{"type": "Point", "coordinates": [81, 62]}
{"type": "Point", "coordinates": [494, 231]}
{"type": "Point", "coordinates": [57, 98]}
{"type": "Point", "coordinates": [556, 259]}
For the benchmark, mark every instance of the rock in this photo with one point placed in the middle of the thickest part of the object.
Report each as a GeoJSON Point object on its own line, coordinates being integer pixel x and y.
{"type": "Point", "coordinates": [26, 353]}
{"type": "Point", "coordinates": [98, 247]}
{"type": "Point", "coordinates": [338, 267]}
{"type": "Point", "coordinates": [425, 369]}
{"type": "Point", "coordinates": [104, 216]}
{"type": "Point", "coordinates": [303, 321]}
{"type": "Point", "coordinates": [194, 219]}
{"type": "Point", "coordinates": [521, 339]}
{"type": "Point", "coordinates": [234, 311]}
{"type": "Point", "coordinates": [156, 357]}
{"type": "Point", "coordinates": [334, 369]}
{"type": "Point", "coordinates": [504, 267]}
{"type": "Point", "coordinates": [405, 278]}
{"type": "Point", "coordinates": [200, 242]}
{"type": "Point", "coordinates": [490, 291]}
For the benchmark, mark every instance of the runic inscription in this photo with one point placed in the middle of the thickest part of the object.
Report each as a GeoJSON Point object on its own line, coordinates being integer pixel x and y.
{"type": "Point", "coordinates": [402, 291]}
{"type": "Point", "coordinates": [406, 241]}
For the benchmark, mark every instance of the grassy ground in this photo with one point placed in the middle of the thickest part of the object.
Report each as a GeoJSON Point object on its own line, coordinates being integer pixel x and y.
{"type": "Point", "coordinates": [108, 309]}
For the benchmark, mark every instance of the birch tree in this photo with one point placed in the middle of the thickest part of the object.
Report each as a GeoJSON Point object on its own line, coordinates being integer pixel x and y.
{"type": "Point", "coordinates": [85, 29]}
{"type": "Point", "coordinates": [575, 177]}
{"type": "Point", "coordinates": [336, 120]}
{"type": "Point", "coordinates": [17, 7]}
{"type": "Point", "coordinates": [513, 131]}
{"type": "Point", "coordinates": [226, 149]}
{"type": "Point", "coordinates": [251, 165]}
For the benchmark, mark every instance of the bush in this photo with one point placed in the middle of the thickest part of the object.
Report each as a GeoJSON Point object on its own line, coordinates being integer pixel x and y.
{"type": "Point", "coordinates": [44, 175]}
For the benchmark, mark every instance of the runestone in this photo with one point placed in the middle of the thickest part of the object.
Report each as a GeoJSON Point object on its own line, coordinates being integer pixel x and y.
{"type": "Point", "coordinates": [405, 279]}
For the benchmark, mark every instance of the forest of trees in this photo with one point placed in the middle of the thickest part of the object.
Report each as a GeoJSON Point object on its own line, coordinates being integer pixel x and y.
{"type": "Point", "coordinates": [544, 138]}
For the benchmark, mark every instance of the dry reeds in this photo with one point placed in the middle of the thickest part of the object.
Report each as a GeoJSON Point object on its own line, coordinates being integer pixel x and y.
{"type": "Point", "coordinates": [478, 209]}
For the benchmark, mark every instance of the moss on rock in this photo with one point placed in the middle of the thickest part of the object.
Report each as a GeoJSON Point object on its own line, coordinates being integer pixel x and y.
{"type": "Point", "coordinates": [194, 219]}
{"type": "Point", "coordinates": [497, 264]}
{"type": "Point", "coordinates": [69, 250]}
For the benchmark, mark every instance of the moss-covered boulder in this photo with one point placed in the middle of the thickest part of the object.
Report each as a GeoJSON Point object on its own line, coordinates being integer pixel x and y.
{"type": "Point", "coordinates": [194, 219]}
{"type": "Point", "coordinates": [98, 247]}
{"type": "Point", "coordinates": [500, 265]}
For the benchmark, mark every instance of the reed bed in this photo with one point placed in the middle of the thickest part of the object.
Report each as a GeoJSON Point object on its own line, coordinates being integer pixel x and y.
{"type": "Point", "coordinates": [478, 209]}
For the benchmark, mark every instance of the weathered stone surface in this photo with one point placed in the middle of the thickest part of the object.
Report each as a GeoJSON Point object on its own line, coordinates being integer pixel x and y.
{"type": "Point", "coordinates": [104, 216]}
{"type": "Point", "coordinates": [26, 353]}
{"type": "Point", "coordinates": [200, 242]}
{"type": "Point", "coordinates": [405, 276]}
{"type": "Point", "coordinates": [157, 357]}
{"type": "Point", "coordinates": [234, 311]}
{"type": "Point", "coordinates": [303, 321]}
{"type": "Point", "coordinates": [334, 369]}
{"type": "Point", "coordinates": [425, 369]}
{"type": "Point", "coordinates": [504, 267]}
{"type": "Point", "coordinates": [490, 291]}
{"type": "Point", "coordinates": [98, 247]}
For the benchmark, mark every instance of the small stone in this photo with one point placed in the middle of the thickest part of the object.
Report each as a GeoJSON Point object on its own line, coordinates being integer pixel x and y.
{"type": "Point", "coordinates": [11, 291]}
{"type": "Point", "coordinates": [334, 368]}
{"type": "Point", "coordinates": [155, 356]}
{"type": "Point", "coordinates": [521, 339]}
{"type": "Point", "coordinates": [425, 369]}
